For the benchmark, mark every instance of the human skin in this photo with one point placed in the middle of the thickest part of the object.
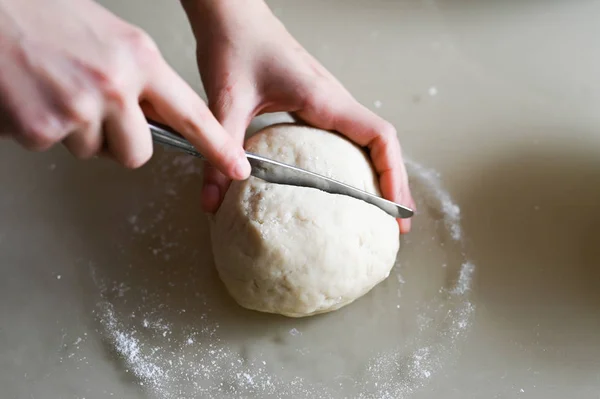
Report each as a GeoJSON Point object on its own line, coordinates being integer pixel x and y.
{"type": "Point", "coordinates": [250, 65]}
{"type": "Point", "coordinates": [92, 93]}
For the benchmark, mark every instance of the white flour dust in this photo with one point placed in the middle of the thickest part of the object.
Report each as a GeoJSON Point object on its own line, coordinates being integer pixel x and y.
{"type": "Point", "coordinates": [176, 352]}
{"type": "Point", "coordinates": [450, 210]}
{"type": "Point", "coordinates": [464, 279]}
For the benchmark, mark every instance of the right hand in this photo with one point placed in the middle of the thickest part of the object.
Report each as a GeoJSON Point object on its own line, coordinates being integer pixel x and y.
{"type": "Point", "coordinates": [72, 72]}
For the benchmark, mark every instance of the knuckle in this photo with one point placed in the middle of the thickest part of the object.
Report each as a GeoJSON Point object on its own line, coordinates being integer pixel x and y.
{"type": "Point", "coordinates": [121, 73]}
{"type": "Point", "coordinates": [388, 132]}
{"type": "Point", "coordinates": [385, 142]}
{"type": "Point", "coordinates": [40, 133]}
{"type": "Point", "coordinates": [384, 134]}
{"type": "Point", "coordinates": [113, 85]}
{"type": "Point", "coordinates": [142, 45]}
{"type": "Point", "coordinates": [81, 108]}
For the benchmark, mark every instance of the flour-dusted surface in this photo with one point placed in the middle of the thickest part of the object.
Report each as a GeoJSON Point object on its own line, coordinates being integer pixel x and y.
{"type": "Point", "coordinates": [300, 251]}
{"type": "Point", "coordinates": [513, 132]}
{"type": "Point", "coordinates": [170, 323]}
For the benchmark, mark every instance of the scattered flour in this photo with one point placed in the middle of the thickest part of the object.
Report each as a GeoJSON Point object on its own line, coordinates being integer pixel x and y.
{"type": "Point", "coordinates": [450, 210]}
{"type": "Point", "coordinates": [294, 332]}
{"type": "Point", "coordinates": [179, 361]}
{"type": "Point", "coordinates": [464, 279]}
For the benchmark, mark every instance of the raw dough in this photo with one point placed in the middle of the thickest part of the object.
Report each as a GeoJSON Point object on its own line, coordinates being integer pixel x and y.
{"type": "Point", "coordinates": [299, 251]}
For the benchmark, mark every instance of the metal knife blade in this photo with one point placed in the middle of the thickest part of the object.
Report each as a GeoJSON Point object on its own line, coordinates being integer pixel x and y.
{"type": "Point", "coordinates": [280, 173]}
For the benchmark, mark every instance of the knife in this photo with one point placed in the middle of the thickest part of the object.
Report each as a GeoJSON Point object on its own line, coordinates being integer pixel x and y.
{"type": "Point", "coordinates": [276, 172]}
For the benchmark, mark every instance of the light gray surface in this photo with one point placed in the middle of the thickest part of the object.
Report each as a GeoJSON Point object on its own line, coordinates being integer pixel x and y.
{"type": "Point", "coordinates": [501, 97]}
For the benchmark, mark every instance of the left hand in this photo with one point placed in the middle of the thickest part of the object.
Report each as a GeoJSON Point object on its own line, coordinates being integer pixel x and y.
{"type": "Point", "coordinates": [250, 64]}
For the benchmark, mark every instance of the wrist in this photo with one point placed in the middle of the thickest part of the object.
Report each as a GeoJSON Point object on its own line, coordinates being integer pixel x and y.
{"type": "Point", "coordinates": [207, 15]}
{"type": "Point", "coordinates": [221, 8]}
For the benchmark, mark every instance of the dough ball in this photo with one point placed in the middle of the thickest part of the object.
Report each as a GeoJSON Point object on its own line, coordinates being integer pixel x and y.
{"type": "Point", "coordinates": [299, 251]}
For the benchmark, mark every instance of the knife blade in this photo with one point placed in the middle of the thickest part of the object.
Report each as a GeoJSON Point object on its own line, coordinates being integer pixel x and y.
{"type": "Point", "coordinates": [276, 172]}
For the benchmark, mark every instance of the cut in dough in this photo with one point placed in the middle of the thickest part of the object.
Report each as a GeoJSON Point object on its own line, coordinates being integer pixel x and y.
{"type": "Point", "coordinates": [299, 251]}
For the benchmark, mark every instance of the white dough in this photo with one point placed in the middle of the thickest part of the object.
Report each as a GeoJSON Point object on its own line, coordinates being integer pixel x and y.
{"type": "Point", "coordinates": [299, 251]}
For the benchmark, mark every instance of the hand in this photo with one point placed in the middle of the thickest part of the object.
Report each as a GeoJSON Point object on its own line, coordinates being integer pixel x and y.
{"type": "Point", "coordinates": [250, 65]}
{"type": "Point", "coordinates": [72, 72]}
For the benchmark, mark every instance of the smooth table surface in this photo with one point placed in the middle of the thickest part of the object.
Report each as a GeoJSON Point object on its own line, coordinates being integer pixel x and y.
{"type": "Point", "coordinates": [501, 98]}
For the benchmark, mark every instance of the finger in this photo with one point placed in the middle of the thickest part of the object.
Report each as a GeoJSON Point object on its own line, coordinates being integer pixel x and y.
{"type": "Point", "coordinates": [181, 108]}
{"type": "Point", "coordinates": [214, 187]}
{"type": "Point", "coordinates": [366, 129]}
{"type": "Point", "coordinates": [128, 137]}
{"type": "Point", "coordinates": [87, 140]}
{"type": "Point", "coordinates": [234, 112]}
{"type": "Point", "coordinates": [85, 143]}
{"type": "Point", "coordinates": [150, 112]}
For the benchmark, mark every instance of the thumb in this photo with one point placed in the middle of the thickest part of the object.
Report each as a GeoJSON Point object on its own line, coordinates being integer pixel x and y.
{"type": "Point", "coordinates": [182, 109]}
{"type": "Point", "coordinates": [235, 115]}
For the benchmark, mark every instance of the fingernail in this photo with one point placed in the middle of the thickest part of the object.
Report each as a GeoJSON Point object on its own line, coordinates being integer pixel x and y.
{"type": "Point", "coordinates": [242, 168]}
